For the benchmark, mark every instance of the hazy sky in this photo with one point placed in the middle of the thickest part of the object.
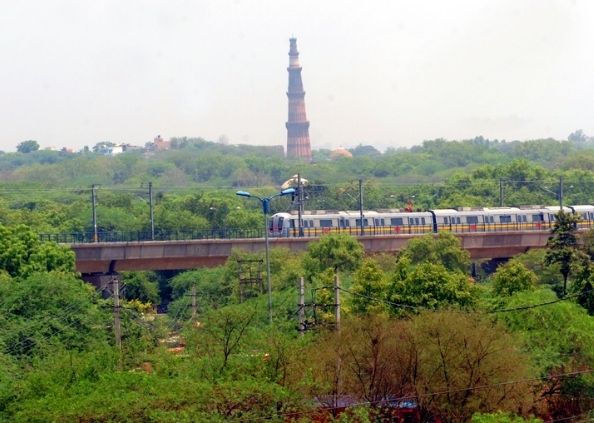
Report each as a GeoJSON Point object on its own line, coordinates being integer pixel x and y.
{"type": "Point", "coordinates": [388, 73]}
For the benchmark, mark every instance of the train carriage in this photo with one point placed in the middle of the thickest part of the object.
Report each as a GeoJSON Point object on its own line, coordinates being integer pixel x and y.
{"type": "Point", "coordinates": [586, 214]}
{"type": "Point", "coordinates": [397, 221]}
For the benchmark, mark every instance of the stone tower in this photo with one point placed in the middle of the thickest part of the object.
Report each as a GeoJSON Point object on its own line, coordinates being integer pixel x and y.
{"type": "Point", "coordinates": [298, 146]}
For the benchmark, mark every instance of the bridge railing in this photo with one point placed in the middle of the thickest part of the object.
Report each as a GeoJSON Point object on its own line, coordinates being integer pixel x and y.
{"type": "Point", "coordinates": [142, 236]}
{"type": "Point", "coordinates": [235, 233]}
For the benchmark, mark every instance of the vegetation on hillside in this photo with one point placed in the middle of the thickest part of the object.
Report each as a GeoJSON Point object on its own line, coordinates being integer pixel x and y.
{"type": "Point", "coordinates": [416, 329]}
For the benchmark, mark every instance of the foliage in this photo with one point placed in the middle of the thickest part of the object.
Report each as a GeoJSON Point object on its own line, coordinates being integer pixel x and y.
{"type": "Point", "coordinates": [562, 245]}
{"type": "Point", "coordinates": [223, 332]}
{"type": "Point", "coordinates": [213, 289]}
{"type": "Point", "coordinates": [142, 286]}
{"type": "Point", "coordinates": [445, 248]}
{"type": "Point", "coordinates": [450, 353]}
{"type": "Point", "coordinates": [534, 260]}
{"type": "Point", "coordinates": [500, 417]}
{"type": "Point", "coordinates": [49, 310]}
{"type": "Point", "coordinates": [369, 289]}
{"type": "Point", "coordinates": [513, 277]}
{"type": "Point", "coordinates": [339, 252]}
{"type": "Point", "coordinates": [429, 286]}
{"type": "Point", "coordinates": [27, 146]}
{"type": "Point", "coordinates": [560, 338]}
{"type": "Point", "coordinates": [22, 254]}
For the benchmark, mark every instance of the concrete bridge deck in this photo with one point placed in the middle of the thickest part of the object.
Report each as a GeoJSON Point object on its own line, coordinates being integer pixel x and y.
{"type": "Point", "coordinates": [189, 254]}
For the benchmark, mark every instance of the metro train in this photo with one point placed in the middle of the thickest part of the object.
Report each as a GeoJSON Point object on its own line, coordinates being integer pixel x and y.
{"type": "Point", "coordinates": [399, 221]}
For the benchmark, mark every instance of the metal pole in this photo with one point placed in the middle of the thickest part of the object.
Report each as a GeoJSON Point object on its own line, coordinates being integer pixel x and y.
{"type": "Point", "coordinates": [301, 306]}
{"type": "Point", "coordinates": [116, 311]}
{"type": "Point", "coordinates": [265, 208]}
{"type": "Point", "coordinates": [337, 301]}
{"type": "Point", "coordinates": [152, 211]}
{"type": "Point", "coordinates": [193, 302]}
{"type": "Point", "coordinates": [560, 193]}
{"type": "Point", "coordinates": [500, 192]}
{"type": "Point", "coordinates": [361, 205]}
{"type": "Point", "coordinates": [94, 205]}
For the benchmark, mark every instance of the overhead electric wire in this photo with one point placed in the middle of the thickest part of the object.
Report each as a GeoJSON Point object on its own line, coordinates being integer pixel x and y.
{"type": "Point", "coordinates": [64, 311]}
{"type": "Point", "coordinates": [502, 310]}
{"type": "Point", "coordinates": [378, 182]}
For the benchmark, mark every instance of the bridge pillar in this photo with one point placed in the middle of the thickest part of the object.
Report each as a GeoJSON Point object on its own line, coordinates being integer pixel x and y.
{"type": "Point", "coordinates": [490, 266]}
{"type": "Point", "coordinates": [101, 281]}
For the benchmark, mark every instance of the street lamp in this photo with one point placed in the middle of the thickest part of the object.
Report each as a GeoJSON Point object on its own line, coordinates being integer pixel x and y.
{"type": "Point", "coordinates": [266, 209]}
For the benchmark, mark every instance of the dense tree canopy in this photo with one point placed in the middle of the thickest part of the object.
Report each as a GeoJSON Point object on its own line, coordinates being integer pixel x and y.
{"type": "Point", "coordinates": [22, 253]}
{"type": "Point", "coordinates": [28, 146]}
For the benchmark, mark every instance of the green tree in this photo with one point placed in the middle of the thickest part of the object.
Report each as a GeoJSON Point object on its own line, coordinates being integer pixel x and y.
{"type": "Point", "coordinates": [22, 253]}
{"type": "Point", "coordinates": [369, 289]}
{"type": "Point", "coordinates": [457, 352]}
{"type": "Point", "coordinates": [570, 349]}
{"type": "Point", "coordinates": [224, 333]}
{"type": "Point", "coordinates": [445, 249]}
{"type": "Point", "coordinates": [512, 277]}
{"type": "Point", "coordinates": [142, 286]}
{"type": "Point", "coordinates": [429, 286]}
{"type": "Point", "coordinates": [27, 146]}
{"type": "Point", "coordinates": [449, 353]}
{"type": "Point", "coordinates": [49, 310]}
{"type": "Point", "coordinates": [562, 245]}
{"type": "Point", "coordinates": [339, 252]}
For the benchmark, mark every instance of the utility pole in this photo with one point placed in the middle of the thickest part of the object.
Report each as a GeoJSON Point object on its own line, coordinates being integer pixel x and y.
{"type": "Point", "coordinates": [337, 301]}
{"type": "Point", "coordinates": [193, 295]}
{"type": "Point", "coordinates": [500, 192]}
{"type": "Point", "coordinates": [94, 205]}
{"type": "Point", "coordinates": [560, 193]}
{"type": "Point", "coordinates": [117, 329]}
{"type": "Point", "coordinates": [361, 205]}
{"type": "Point", "coordinates": [152, 211]}
{"type": "Point", "coordinates": [300, 204]}
{"type": "Point", "coordinates": [301, 304]}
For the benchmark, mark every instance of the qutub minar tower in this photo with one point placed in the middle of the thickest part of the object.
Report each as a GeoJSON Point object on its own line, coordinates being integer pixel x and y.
{"type": "Point", "coordinates": [298, 146]}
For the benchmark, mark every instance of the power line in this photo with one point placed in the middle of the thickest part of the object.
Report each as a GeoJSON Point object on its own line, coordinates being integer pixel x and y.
{"type": "Point", "coordinates": [503, 310]}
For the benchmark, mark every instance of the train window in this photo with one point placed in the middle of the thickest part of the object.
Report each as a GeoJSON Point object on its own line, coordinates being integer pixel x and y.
{"type": "Point", "coordinates": [492, 219]}
{"type": "Point", "coordinates": [325, 223]}
{"type": "Point", "coordinates": [537, 218]}
{"type": "Point", "coordinates": [376, 222]}
{"type": "Point", "coordinates": [521, 218]}
{"type": "Point", "coordinates": [280, 222]}
{"type": "Point", "coordinates": [505, 219]}
{"type": "Point", "coordinates": [457, 220]}
{"type": "Point", "coordinates": [292, 223]}
{"type": "Point", "coordinates": [365, 223]}
{"type": "Point", "coordinates": [472, 219]}
{"type": "Point", "coordinates": [422, 220]}
{"type": "Point", "coordinates": [382, 222]}
{"type": "Point", "coordinates": [397, 221]}
{"type": "Point", "coordinates": [446, 220]}
{"type": "Point", "coordinates": [413, 220]}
